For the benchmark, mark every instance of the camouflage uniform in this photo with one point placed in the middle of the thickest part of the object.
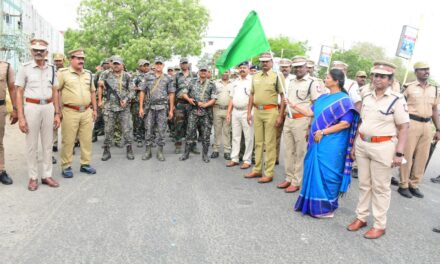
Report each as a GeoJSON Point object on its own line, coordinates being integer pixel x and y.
{"type": "Point", "coordinates": [157, 90]}
{"type": "Point", "coordinates": [112, 108]}
{"type": "Point", "coordinates": [98, 128]}
{"type": "Point", "coordinates": [138, 123]}
{"type": "Point", "coordinates": [180, 83]}
{"type": "Point", "coordinates": [200, 117]}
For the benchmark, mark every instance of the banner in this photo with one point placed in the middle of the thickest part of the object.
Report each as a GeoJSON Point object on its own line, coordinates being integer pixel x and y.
{"type": "Point", "coordinates": [325, 56]}
{"type": "Point", "coordinates": [408, 37]}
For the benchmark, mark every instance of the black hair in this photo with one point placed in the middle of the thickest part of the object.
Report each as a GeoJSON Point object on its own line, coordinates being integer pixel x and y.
{"type": "Point", "coordinates": [339, 76]}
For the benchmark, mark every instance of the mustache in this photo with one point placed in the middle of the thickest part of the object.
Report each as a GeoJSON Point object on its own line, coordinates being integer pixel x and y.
{"type": "Point", "coordinates": [241, 71]}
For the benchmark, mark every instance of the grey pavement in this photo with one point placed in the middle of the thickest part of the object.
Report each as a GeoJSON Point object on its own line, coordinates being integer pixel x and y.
{"type": "Point", "coordinates": [191, 212]}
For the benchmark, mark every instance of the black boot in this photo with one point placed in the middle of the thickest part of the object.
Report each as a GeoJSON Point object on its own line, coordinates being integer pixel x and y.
{"type": "Point", "coordinates": [130, 155]}
{"type": "Point", "coordinates": [160, 155]}
{"type": "Point", "coordinates": [147, 154]}
{"type": "Point", "coordinates": [106, 155]}
{"type": "Point", "coordinates": [94, 137]}
{"type": "Point", "coordinates": [185, 155]}
{"type": "Point", "coordinates": [205, 155]}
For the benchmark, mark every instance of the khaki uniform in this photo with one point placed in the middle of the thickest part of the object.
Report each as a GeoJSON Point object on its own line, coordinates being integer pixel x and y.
{"type": "Point", "coordinates": [38, 84]}
{"type": "Point", "coordinates": [4, 77]}
{"type": "Point", "coordinates": [287, 81]}
{"type": "Point", "coordinates": [420, 103]}
{"type": "Point", "coordinates": [265, 89]}
{"type": "Point", "coordinates": [76, 91]}
{"type": "Point", "coordinates": [222, 130]}
{"type": "Point", "coordinates": [380, 116]}
{"type": "Point", "coordinates": [301, 91]}
{"type": "Point", "coordinates": [241, 89]}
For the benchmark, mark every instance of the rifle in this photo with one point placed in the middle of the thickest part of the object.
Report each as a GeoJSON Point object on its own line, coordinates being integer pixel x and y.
{"type": "Point", "coordinates": [431, 151]}
{"type": "Point", "coordinates": [111, 90]}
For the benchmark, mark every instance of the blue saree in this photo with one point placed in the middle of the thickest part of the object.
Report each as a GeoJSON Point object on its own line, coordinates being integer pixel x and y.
{"type": "Point", "coordinates": [327, 165]}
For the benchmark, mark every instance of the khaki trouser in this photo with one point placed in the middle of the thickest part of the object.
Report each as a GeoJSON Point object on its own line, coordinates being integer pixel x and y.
{"type": "Point", "coordinates": [39, 120]}
{"type": "Point", "coordinates": [222, 130]}
{"type": "Point", "coordinates": [2, 134]}
{"type": "Point", "coordinates": [76, 123]}
{"type": "Point", "coordinates": [417, 146]}
{"type": "Point", "coordinates": [239, 125]}
{"type": "Point", "coordinates": [374, 172]}
{"type": "Point", "coordinates": [265, 134]}
{"type": "Point", "coordinates": [295, 143]}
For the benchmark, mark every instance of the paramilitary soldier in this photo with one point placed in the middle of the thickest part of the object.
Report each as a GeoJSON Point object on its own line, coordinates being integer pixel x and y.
{"type": "Point", "coordinates": [119, 93]}
{"type": "Point", "coordinates": [98, 127]}
{"type": "Point", "coordinates": [159, 89]}
{"type": "Point", "coordinates": [201, 95]}
{"type": "Point", "coordinates": [138, 122]}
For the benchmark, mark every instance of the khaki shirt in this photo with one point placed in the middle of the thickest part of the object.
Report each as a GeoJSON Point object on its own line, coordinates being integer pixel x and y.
{"type": "Point", "coordinates": [369, 87]}
{"type": "Point", "coordinates": [299, 92]}
{"type": "Point", "coordinates": [240, 91]}
{"type": "Point", "coordinates": [36, 81]}
{"type": "Point", "coordinates": [76, 88]}
{"type": "Point", "coordinates": [421, 100]}
{"type": "Point", "coordinates": [380, 116]}
{"type": "Point", "coordinates": [223, 91]}
{"type": "Point", "coordinates": [266, 87]}
{"type": "Point", "coordinates": [5, 76]}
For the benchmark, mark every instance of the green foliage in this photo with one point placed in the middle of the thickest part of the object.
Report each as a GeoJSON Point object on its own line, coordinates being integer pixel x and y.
{"type": "Point", "coordinates": [281, 45]}
{"type": "Point", "coordinates": [137, 29]}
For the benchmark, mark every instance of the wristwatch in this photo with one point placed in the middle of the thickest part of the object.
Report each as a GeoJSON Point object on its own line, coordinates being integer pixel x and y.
{"type": "Point", "coordinates": [398, 154]}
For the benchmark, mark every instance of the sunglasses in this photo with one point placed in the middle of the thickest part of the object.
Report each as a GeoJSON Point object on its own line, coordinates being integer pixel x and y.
{"type": "Point", "coordinates": [381, 76]}
{"type": "Point", "coordinates": [38, 51]}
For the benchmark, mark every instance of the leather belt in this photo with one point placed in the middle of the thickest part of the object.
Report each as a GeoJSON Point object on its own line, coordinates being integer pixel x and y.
{"type": "Point", "coordinates": [38, 101]}
{"type": "Point", "coordinates": [297, 115]}
{"type": "Point", "coordinates": [2, 102]}
{"type": "Point", "coordinates": [79, 108]}
{"type": "Point", "coordinates": [221, 107]}
{"type": "Point", "coordinates": [419, 118]}
{"type": "Point", "coordinates": [240, 108]}
{"type": "Point", "coordinates": [375, 139]}
{"type": "Point", "coordinates": [265, 107]}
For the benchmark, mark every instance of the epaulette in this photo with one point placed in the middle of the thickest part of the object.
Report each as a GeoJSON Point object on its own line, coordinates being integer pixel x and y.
{"type": "Point", "coordinates": [63, 69]}
{"type": "Point", "coordinates": [88, 71]}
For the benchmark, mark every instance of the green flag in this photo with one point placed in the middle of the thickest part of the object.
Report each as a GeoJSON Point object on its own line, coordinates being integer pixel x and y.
{"type": "Point", "coordinates": [249, 42]}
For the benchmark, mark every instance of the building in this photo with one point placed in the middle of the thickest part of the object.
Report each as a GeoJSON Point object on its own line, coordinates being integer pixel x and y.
{"type": "Point", "coordinates": [19, 23]}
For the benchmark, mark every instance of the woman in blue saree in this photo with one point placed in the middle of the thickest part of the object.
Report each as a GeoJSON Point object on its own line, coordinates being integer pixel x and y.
{"type": "Point", "coordinates": [327, 165]}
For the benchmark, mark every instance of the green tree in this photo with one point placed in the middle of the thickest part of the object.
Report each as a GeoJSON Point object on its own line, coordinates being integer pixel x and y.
{"type": "Point", "coordinates": [137, 29]}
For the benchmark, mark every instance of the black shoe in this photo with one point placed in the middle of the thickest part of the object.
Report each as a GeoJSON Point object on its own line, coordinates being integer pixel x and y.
{"type": "Point", "coordinates": [77, 144]}
{"type": "Point", "coordinates": [277, 162]}
{"type": "Point", "coordinates": [436, 180]}
{"type": "Point", "coordinates": [5, 179]}
{"type": "Point", "coordinates": [214, 155]}
{"type": "Point", "coordinates": [227, 156]}
{"type": "Point", "coordinates": [354, 173]}
{"type": "Point", "coordinates": [54, 160]}
{"type": "Point", "coordinates": [94, 138]}
{"type": "Point", "coordinates": [185, 155]}
{"type": "Point", "coordinates": [404, 192]}
{"type": "Point", "coordinates": [130, 155]}
{"type": "Point", "coordinates": [106, 155]}
{"type": "Point", "coordinates": [55, 148]}
{"type": "Point", "coordinates": [394, 181]}
{"type": "Point", "coordinates": [416, 192]}
{"type": "Point", "coordinates": [436, 229]}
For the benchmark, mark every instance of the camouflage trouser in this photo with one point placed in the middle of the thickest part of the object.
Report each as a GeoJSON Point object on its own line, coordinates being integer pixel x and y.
{"type": "Point", "coordinates": [155, 118]}
{"type": "Point", "coordinates": [204, 122]}
{"type": "Point", "coordinates": [98, 127]}
{"type": "Point", "coordinates": [138, 123]}
{"type": "Point", "coordinates": [180, 121]}
{"type": "Point", "coordinates": [124, 117]}
{"type": "Point", "coordinates": [118, 132]}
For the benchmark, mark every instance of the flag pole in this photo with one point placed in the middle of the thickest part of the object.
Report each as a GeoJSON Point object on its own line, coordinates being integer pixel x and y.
{"type": "Point", "coordinates": [289, 111]}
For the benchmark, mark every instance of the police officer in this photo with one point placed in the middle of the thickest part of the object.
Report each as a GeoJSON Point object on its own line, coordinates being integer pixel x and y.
{"type": "Point", "coordinates": [6, 82]}
{"type": "Point", "coordinates": [159, 89]}
{"type": "Point", "coordinates": [201, 94]}
{"type": "Point", "coordinates": [58, 61]}
{"type": "Point", "coordinates": [222, 129]}
{"type": "Point", "coordinates": [180, 82]}
{"type": "Point", "coordinates": [423, 99]}
{"type": "Point", "coordinates": [78, 99]}
{"type": "Point", "coordinates": [138, 122]}
{"type": "Point", "coordinates": [379, 147]}
{"type": "Point", "coordinates": [119, 93]}
{"type": "Point", "coordinates": [266, 117]}
{"type": "Point", "coordinates": [303, 90]}
{"type": "Point", "coordinates": [350, 86]}
{"type": "Point", "coordinates": [237, 116]}
{"type": "Point", "coordinates": [361, 78]}
{"type": "Point", "coordinates": [98, 127]}
{"type": "Point", "coordinates": [38, 111]}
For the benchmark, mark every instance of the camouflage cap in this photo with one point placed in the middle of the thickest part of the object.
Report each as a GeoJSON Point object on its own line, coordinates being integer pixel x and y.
{"type": "Point", "coordinates": [361, 74]}
{"type": "Point", "coordinates": [58, 56]}
{"type": "Point", "coordinates": [117, 59]}
{"type": "Point", "coordinates": [158, 59]}
{"type": "Point", "coordinates": [310, 64]}
{"type": "Point", "coordinates": [77, 53]}
{"type": "Point", "coordinates": [170, 68]}
{"type": "Point", "coordinates": [299, 61]}
{"type": "Point", "coordinates": [383, 67]}
{"type": "Point", "coordinates": [203, 67]}
{"type": "Point", "coordinates": [184, 60]}
{"type": "Point", "coordinates": [285, 63]}
{"type": "Point", "coordinates": [421, 65]}
{"type": "Point", "coordinates": [177, 68]}
{"type": "Point", "coordinates": [142, 62]}
{"type": "Point", "coordinates": [39, 44]}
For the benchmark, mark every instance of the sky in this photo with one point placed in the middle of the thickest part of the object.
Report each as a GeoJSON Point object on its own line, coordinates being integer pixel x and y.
{"type": "Point", "coordinates": [320, 22]}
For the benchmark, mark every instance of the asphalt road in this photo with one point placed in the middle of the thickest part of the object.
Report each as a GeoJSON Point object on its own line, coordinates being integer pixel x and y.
{"type": "Point", "coordinates": [192, 212]}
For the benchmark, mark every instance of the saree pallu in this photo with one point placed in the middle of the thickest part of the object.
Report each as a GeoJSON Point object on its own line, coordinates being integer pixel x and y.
{"type": "Point", "coordinates": [327, 165]}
